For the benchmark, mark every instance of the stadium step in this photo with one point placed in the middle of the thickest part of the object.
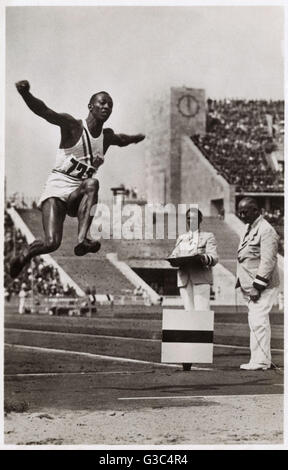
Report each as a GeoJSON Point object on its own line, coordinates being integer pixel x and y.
{"type": "Point", "coordinates": [227, 241]}
{"type": "Point", "coordinates": [227, 244]}
{"type": "Point", "coordinates": [91, 270]}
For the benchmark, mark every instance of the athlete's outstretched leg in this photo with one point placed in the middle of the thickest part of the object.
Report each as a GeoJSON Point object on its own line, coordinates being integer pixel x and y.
{"type": "Point", "coordinates": [53, 216]}
{"type": "Point", "coordinates": [80, 204]}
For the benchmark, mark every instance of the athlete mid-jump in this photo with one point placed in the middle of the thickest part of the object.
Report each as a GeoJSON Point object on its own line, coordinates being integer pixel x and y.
{"type": "Point", "coordinates": [71, 188]}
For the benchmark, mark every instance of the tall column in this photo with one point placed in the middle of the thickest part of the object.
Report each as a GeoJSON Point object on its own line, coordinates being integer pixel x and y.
{"type": "Point", "coordinates": [169, 117]}
{"type": "Point", "coordinates": [188, 117]}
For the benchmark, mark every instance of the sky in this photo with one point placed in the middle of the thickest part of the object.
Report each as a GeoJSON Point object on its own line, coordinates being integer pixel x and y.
{"type": "Point", "coordinates": [70, 52]}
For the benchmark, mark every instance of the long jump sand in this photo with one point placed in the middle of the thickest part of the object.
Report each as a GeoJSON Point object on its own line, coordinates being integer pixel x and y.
{"type": "Point", "coordinates": [254, 419]}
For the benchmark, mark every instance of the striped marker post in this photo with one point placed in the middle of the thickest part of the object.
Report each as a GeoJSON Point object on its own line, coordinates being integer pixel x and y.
{"type": "Point", "coordinates": [187, 337]}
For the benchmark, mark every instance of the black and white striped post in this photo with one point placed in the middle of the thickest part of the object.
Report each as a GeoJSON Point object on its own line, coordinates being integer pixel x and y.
{"type": "Point", "coordinates": [187, 337]}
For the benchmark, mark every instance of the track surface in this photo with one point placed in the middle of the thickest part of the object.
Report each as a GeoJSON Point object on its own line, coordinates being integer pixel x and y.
{"type": "Point", "coordinates": [113, 363]}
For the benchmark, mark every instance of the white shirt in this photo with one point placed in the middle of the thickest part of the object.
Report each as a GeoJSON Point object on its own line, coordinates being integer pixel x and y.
{"type": "Point", "coordinates": [190, 243]}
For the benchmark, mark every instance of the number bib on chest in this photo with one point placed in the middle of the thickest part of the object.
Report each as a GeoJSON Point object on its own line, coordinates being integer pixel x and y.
{"type": "Point", "coordinates": [79, 170]}
{"type": "Point", "coordinates": [83, 159]}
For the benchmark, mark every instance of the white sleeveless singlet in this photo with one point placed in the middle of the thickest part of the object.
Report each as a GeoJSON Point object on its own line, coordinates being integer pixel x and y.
{"type": "Point", "coordinates": [83, 159]}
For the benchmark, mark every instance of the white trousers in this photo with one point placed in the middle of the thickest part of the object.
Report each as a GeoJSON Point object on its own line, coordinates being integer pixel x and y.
{"type": "Point", "coordinates": [196, 296]}
{"type": "Point", "coordinates": [259, 324]}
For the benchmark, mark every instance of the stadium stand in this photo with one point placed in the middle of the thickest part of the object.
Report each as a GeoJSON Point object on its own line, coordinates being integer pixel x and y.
{"type": "Point", "coordinates": [44, 279]}
{"type": "Point", "coordinates": [237, 141]}
{"type": "Point", "coordinates": [96, 271]}
{"type": "Point", "coordinates": [89, 271]}
{"type": "Point", "coordinates": [227, 241]}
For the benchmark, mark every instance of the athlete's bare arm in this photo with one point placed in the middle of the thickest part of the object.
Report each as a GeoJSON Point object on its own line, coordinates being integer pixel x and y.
{"type": "Point", "coordinates": [121, 140]}
{"type": "Point", "coordinates": [39, 107]}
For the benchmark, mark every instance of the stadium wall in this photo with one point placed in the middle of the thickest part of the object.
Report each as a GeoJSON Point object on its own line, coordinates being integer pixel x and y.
{"type": "Point", "coordinates": [157, 149]}
{"type": "Point", "coordinates": [224, 287]}
{"type": "Point", "coordinates": [201, 183]}
{"type": "Point", "coordinates": [136, 280]}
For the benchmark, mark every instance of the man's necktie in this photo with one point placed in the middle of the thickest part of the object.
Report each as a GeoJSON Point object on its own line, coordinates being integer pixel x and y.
{"type": "Point", "coordinates": [244, 241]}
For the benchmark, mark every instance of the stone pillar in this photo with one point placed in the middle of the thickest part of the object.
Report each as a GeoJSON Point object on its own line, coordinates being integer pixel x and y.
{"type": "Point", "coordinates": [169, 117]}
{"type": "Point", "coordinates": [157, 148]}
{"type": "Point", "coordinates": [188, 117]}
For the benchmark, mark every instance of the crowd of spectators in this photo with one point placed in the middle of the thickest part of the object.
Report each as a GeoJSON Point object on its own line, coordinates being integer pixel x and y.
{"type": "Point", "coordinates": [43, 279]}
{"type": "Point", "coordinates": [19, 201]}
{"type": "Point", "coordinates": [238, 138]}
{"type": "Point", "coordinates": [275, 216]}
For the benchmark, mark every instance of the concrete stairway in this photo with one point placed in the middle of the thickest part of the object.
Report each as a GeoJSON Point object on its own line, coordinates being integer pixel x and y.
{"type": "Point", "coordinates": [227, 241]}
{"type": "Point", "coordinates": [96, 270]}
{"type": "Point", "coordinates": [89, 270]}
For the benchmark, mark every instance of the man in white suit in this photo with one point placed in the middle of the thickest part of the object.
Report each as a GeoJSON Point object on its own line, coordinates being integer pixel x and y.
{"type": "Point", "coordinates": [258, 278]}
{"type": "Point", "coordinates": [195, 280]}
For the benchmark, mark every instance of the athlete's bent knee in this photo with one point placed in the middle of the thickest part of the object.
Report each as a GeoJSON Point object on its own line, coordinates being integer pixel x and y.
{"type": "Point", "coordinates": [91, 185]}
{"type": "Point", "coordinates": [53, 243]}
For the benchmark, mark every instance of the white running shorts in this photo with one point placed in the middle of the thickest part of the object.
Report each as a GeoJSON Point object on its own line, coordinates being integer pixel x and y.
{"type": "Point", "coordinates": [58, 185]}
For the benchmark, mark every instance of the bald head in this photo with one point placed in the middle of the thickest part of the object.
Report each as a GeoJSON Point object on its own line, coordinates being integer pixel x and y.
{"type": "Point", "coordinates": [248, 201]}
{"type": "Point", "coordinates": [248, 210]}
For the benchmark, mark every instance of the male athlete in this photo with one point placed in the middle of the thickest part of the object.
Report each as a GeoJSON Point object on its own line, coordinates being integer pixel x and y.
{"type": "Point", "coordinates": [71, 187]}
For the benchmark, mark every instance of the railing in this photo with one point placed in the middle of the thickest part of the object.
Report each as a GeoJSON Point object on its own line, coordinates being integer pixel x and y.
{"type": "Point", "coordinates": [79, 306]}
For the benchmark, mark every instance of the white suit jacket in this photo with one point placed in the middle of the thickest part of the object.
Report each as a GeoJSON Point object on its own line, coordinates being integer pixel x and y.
{"type": "Point", "coordinates": [257, 257]}
{"type": "Point", "coordinates": [206, 245]}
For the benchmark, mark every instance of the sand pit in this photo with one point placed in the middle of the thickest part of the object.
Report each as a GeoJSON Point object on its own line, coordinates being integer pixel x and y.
{"type": "Point", "coordinates": [228, 420]}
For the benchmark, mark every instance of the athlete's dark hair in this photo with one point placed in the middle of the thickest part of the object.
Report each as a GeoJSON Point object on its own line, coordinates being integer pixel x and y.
{"type": "Point", "coordinates": [194, 210]}
{"type": "Point", "coordinates": [96, 94]}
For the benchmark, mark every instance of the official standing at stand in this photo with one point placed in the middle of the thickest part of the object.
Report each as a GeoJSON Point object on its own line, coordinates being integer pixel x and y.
{"type": "Point", "coordinates": [195, 279]}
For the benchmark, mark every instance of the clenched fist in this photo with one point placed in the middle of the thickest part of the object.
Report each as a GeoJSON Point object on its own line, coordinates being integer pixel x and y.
{"type": "Point", "coordinates": [139, 138]}
{"type": "Point", "coordinates": [23, 86]}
